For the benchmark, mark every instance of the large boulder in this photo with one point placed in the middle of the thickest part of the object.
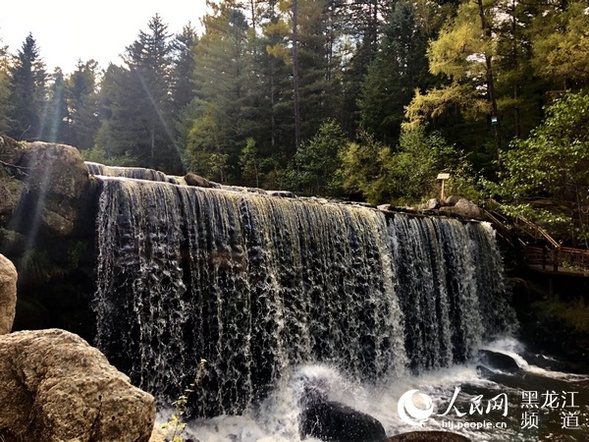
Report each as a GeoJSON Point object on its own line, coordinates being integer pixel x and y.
{"type": "Point", "coordinates": [498, 361]}
{"type": "Point", "coordinates": [193, 179]}
{"type": "Point", "coordinates": [8, 277]}
{"type": "Point", "coordinates": [428, 436]}
{"type": "Point", "coordinates": [464, 208]}
{"type": "Point", "coordinates": [336, 422]}
{"type": "Point", "coordinates": [55, 387]}
{"type": "Point", "coordinates": [56, 180]}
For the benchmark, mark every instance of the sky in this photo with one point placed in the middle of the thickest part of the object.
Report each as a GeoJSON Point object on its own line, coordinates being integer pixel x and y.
{"type": "Point", "coordinates": [69, 30]}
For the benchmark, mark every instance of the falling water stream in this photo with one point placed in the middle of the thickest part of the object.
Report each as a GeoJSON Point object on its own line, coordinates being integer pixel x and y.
{"type": "Point", "coordinates": [278, 292]}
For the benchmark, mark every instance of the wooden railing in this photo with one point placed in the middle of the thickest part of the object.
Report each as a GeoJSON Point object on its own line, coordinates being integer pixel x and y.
{"type": "Point", "coordinates": [540, 251]}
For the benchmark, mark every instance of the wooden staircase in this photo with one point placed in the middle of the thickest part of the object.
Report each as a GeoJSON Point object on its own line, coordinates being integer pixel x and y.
{"type": "Point", "coordinates": [539, 250]}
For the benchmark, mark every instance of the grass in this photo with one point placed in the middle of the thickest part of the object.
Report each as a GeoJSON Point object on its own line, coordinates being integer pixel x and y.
{"type": "Point", "coordinates": [173, 428]}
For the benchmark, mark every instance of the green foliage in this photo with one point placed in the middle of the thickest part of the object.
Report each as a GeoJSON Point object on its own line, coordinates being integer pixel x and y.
{"type": "Point", "coordinates": [400, 67]}
{"type": "Point", "coordinates": [575, 313]}
{"type": "Point", "coordinates": [560, 43]}
{"type": "Point", "coordinates": [137, 106]}
{"type": "Point", "coordinates": [98, 155]}
{"type": "Point", "coordinates": [553, 163]}
{"type": "Point", "coordinates": [27, 92]}
{"type": "Point", "coordinates": [316, 162]}
{"type": "Point", "coordinates": [407, 175]}
{"type": "Point", "coordinates": [365, 168]}
{"type": "Point", "coordinates": [175, 426]}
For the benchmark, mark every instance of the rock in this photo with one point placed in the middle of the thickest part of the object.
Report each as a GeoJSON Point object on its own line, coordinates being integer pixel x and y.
{"type": "Point", "coordinates": [56, 169]}
{"type": "Point", "coordinates": [55, 387]}
{"type": "Point", "coordinates": [10, 151]}
{"type": "Point", "coordinates": [195, 180]}
{"type": "Point", "coordinates": [428, 436]}
{"type": "Point", "coordinates": [384, 207]}
{"type": "Point", "coordinates": [452, 200]}
{"type": "Point", "coordinates": [499, 361]}
{"type": "Point", "coordinates": [57, 183]}
{"type": "Point", "coordinates": [10, 191]}
{"type": "Point", "coordinates": [8, 277]}
{"type": "Point", "coordinates": [464, 208]}
{"type": "Point", "coordinates": [281, 193]}
{"type": "Point", "coordinates": [431, 204]}
{"type": "Point", "coordinates": [336, 422]}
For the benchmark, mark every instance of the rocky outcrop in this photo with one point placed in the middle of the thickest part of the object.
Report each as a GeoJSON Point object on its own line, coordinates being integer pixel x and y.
{"type": "Point", "coordinates": [500, 361]}
{"type": "Point", "coordinates": [193, 179]}
{"type": "Point", "coordinates": [55, 387]}
{"type": "Point", "coordinates": [451, 206]}
{"type": "Point", "coordinates": [428, 436]}
{"type": "Point", "coordinates": [8, 277]}
{"type": "Point", "coordinates": [462, 207]}
{"type": "Point", "coordinates": [333, 421]}
{"type": "Point", "coordinates": [56, 181]}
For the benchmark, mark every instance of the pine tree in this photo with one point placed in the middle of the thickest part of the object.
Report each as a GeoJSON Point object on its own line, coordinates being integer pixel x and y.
{"type": "Point", "coordinates": [5, 105]}
{"type": "Point", "coordinates": [400, 67]}
{"type": "Point", "coordinates": [217, 134]}
{"type": "Point", "coordinates": [82, 105]}
{"type": "Point", "coordinates": [55, 121]}
{"type": "Point", "coordinates": [183, 65]}
{"type": "Point", "coordinates": [138, 103]}
{"type": "Point", "coordinates": [27, 96]}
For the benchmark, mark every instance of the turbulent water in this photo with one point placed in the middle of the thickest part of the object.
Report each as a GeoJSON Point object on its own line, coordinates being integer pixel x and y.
{"type": "Point", "coordinates": [260, 286]}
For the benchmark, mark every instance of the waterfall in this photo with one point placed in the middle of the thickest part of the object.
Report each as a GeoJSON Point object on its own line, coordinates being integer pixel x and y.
{"type": "Point", "coordinates": [138, 173]}
{"type": "Point", "coordinates": [257, 285]}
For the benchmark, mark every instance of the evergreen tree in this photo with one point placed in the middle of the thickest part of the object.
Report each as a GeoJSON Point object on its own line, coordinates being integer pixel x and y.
{"type": "Point", "coordinates": [27, 95]}
{"type": "Point", "coordinates": [221, 92]}
{"type": "Point", "coordinates": [183, 65]}
{"type": "Point", "coordinates": [55, 121]}
{"type": "Point", "coordinates": [139, 121]}
{"type": "Point", "coordinates": [400, 67]}
{"type": "Point", "coordinates": [560, 43]}
{"type": "Point", "coordinates": [82, 105]}
{"type": "Point", "coordinates": [5, 106]}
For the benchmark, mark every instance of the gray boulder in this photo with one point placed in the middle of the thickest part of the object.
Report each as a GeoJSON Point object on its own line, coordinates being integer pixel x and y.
{"type": "Point", "coordinates": [57, 182]}
{"type": "Point", "coordinates": [464, 208]}
{"type": "Point", "coordinates": [193, 179]}
{"type": "Point", "coordinates": [8, 277]}
{"type": "Point", "coordinates": [431, 204]}
{"type": "Point", "coordinates": [55, 387]}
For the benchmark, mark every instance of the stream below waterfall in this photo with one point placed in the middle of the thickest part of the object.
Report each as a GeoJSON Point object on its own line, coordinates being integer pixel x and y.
{"type": "Point", "coordinates": [535, 404]}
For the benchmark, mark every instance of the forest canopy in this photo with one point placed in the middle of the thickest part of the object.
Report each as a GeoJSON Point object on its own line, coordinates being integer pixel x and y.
{"type": "Point", "coordinates": [364, 98]}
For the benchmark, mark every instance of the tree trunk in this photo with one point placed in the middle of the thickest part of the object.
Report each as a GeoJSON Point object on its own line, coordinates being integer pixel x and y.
{"type": "Point", "coordinates": [491, 81]}
{"type": "Point", "coordinates": [295, 74]}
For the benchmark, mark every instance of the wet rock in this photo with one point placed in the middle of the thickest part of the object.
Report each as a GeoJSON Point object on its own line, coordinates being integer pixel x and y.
{"type": "Point", "coordinates": [282, 193]}
{"type": "Point", "coordinates": [193, 179]}
{"type": "Point", "coordinates": [499, 361]}
{"type": "Point", "coordinates": [8, 278]}
{"type": "Point", "coordinates": [428, 436]}
{"type": "Point", "coordinates": [55, 387]}
{"type": "Point", "coordinates": [336, 422]}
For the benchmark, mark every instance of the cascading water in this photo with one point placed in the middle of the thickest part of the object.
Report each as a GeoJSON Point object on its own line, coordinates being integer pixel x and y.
{"type": "Point", "coordinates": [259, 285]}
{"type": "Point", "coordinates": [138, 173]}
